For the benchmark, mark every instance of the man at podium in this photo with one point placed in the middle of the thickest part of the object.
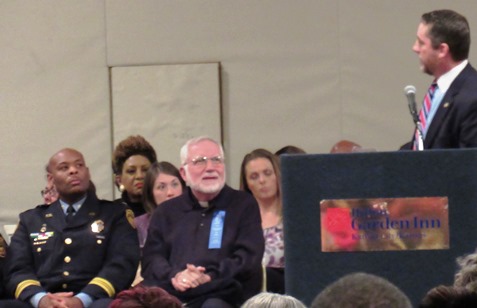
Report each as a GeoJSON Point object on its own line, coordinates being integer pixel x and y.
{"type": "Point", "coordinates": [448, 116]}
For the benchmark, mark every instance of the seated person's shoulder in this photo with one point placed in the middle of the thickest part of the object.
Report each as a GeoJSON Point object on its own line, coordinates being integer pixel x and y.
{"type": "Point", "coordinates": [112, 206]}
{"type": "Point", "coordinates": [34, 212]}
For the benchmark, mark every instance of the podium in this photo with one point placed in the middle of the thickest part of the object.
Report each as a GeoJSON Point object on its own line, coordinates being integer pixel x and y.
{"type": "Point", "coordinates": [307, 180]}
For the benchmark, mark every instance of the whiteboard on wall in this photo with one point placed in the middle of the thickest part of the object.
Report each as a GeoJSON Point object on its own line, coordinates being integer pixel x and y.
{"type": "Point", "coordinates": [166, 104]}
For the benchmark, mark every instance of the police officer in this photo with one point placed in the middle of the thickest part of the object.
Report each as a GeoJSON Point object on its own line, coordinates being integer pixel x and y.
{"type": "Point", "coordinates": [77, 252]}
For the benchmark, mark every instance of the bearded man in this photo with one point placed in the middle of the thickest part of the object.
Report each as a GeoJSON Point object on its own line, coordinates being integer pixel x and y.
{"type": "Point", "coordinates": [205, 246]}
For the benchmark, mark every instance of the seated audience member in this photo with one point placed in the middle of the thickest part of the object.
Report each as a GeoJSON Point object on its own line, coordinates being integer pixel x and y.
{"type": "Point", "coordinates": [131, 160]}
{"type": "Point", "coordinates": [76, 252]}
{"type": "Point", "coordinates": [260, 176]}
{"type": "Point", "coordinates": [449, 297]}
{"type": "Point", "coordinates": [290, 149]}
{"type": "Point", "coordinates": [205, 246]}
{"type": "Point", "coordinates": [361, 290]}
{"type": "Point", "coordinates": [145, 297]}
{"type": "Point", "coordinates": [49, 193]}
{"type": "Point", "coordinates": [466, 276]}
{"type": "Point", "coordinates": [346, 146]}
{"type": "Point", "coordinates": [272, 300]}
{"type": "Point", "coordinates": [162, 182]}
{"type": "Point", "coordinates": [3, 253]}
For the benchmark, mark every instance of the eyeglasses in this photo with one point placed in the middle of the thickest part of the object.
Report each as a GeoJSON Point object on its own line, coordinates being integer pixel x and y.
{"type": "Point", "coordinates": [48, 191]}
{"type": "Point", "coordinates": [201, 161]}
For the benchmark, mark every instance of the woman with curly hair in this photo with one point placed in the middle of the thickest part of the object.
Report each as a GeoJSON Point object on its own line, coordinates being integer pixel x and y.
{"type": "Point", "coordinates": [132, 157]}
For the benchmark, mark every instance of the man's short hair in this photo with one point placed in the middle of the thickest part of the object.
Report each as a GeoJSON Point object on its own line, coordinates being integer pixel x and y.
{"type": "Point", "coordinates": [447, 26]}
{"type": "Point", "coordinates": [185, 148]}
{"type": "Point", "coordinates": [361, 290]}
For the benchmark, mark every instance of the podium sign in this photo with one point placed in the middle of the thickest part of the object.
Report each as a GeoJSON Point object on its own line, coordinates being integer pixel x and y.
{"type": "Point", "coordinates": [405, 216]}
{"type": "Point", "coordinates": [384, 224]}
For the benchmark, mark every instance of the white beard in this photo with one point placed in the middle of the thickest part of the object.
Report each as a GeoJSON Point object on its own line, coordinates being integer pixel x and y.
{"type": "Point", "coordinates": [210, 188]}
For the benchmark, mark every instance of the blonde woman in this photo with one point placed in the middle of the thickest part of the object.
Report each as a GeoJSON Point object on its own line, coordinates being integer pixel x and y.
{"type": "Point", "coordinates": [260, 176]}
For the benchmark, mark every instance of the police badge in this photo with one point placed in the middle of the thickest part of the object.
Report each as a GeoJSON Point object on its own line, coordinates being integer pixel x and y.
{"type": "Point", "coordinates": [97, 226]}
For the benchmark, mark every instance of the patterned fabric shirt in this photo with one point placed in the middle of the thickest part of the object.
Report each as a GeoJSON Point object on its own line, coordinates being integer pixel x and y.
{"type": "Point", "coordinates": [274, 247]}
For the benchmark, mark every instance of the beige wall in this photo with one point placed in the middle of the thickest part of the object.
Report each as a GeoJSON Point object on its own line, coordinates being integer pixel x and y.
{"type": "Point", "coordinates": [307, 73]}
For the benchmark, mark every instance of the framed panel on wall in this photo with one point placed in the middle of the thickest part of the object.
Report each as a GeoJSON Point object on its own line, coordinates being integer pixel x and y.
{"type": "Point", "coordinates": [166, 104]}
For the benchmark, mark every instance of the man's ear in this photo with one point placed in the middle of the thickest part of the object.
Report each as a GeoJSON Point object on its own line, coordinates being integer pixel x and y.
{"type": "Point", "coordinates": [183, 173]}
{"type": "Point", "coordinates": [443, 50]}
{"type": "Point", "coordinates": [49, 178]}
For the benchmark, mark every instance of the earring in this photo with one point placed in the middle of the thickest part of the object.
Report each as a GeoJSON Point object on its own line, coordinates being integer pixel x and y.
{"type": "Point", "coordinates": [121, 188]}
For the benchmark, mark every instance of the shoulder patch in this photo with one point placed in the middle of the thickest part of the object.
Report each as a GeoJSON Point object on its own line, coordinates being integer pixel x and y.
{"type": "Point", "coordinates": [3, 247]}
{"type": "Point", "coordinates": [130, 218]}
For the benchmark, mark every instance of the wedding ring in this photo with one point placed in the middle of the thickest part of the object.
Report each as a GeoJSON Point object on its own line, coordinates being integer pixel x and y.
{"type": "Point", "coordinates": [184, 280]}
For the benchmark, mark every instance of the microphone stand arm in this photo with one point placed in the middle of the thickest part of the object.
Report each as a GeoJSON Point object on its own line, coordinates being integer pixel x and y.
{"type": "Point", "coordinates": [419, 136]}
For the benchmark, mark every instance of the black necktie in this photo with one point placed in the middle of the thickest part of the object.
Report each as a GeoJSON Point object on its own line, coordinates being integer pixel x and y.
{"type": "Point", "coordinates": [70, 213]}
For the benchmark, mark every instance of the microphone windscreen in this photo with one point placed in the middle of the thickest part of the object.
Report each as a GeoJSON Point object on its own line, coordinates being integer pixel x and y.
{"type": "Point", "coordinates": [409, 89]}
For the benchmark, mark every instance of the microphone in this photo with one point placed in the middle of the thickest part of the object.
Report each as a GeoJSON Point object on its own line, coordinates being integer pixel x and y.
{"type": "Point", "coordinates": [410, 92]}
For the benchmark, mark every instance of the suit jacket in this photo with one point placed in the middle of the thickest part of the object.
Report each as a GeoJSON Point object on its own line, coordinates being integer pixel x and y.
{"type": "Point", "coordinates": [455, 123]}
{"type": "Point", "coordinates": [96, 253]}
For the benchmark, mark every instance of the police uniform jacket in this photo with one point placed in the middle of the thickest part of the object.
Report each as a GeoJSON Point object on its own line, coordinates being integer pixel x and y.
{"type": "Point", "coordinates": [96, 253]}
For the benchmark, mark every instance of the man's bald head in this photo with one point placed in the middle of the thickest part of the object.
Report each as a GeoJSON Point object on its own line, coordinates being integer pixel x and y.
{"type": "Point", "coordinates": [67, 170]}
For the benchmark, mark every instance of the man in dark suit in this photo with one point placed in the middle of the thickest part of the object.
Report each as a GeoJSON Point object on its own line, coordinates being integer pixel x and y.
{"type": "Point", "coordinates": [442, 44]}
{"type": "Point", "coordinates": [76, 252]}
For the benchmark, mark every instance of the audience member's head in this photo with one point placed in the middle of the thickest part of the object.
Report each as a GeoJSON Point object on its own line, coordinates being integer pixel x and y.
{"type": "Point", "coordinates": [163, 182]}
{"type": "Point", "coordinates": [346, 146]}
{"type": "Point", "coordinates": [145, 297]}
{"type": "Point", "coordinates": [49, 193]}
{"type": "Point", "coordinates": [466, 276]}
{"type": "Point", "coordinates": [59, 168]}
{"type": "Point", "coordinates": [131, 159]}
{"type": "Point", "coordinates": [450, 28]}
{"type": "Point", "coordinates": [203, 167]}
{"type": "Point", "coordinates": [361, 290]}
{"type": "Point", "coordinates": [449, 297]}
{"type": "Point", "coordinates": [290, 149]}
{"type": "Point", "coordinates": [272, 300]}
{"type": "Point", "coordinates": [267, 163]}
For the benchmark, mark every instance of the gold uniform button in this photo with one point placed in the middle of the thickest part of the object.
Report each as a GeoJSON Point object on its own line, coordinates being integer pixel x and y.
{"type": "Point", "coordinates": [68, 241]}
{"type": "Point", "coordinates": [38, 249]}
{"type": "Point", "coordinates": [99, 242]}
{"type": "Point", "coordinates": [67, 259]}
{"type": "Point", "coordinates": [64, 286]}
{"type": "Point", "coordinates": [66, 273]}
